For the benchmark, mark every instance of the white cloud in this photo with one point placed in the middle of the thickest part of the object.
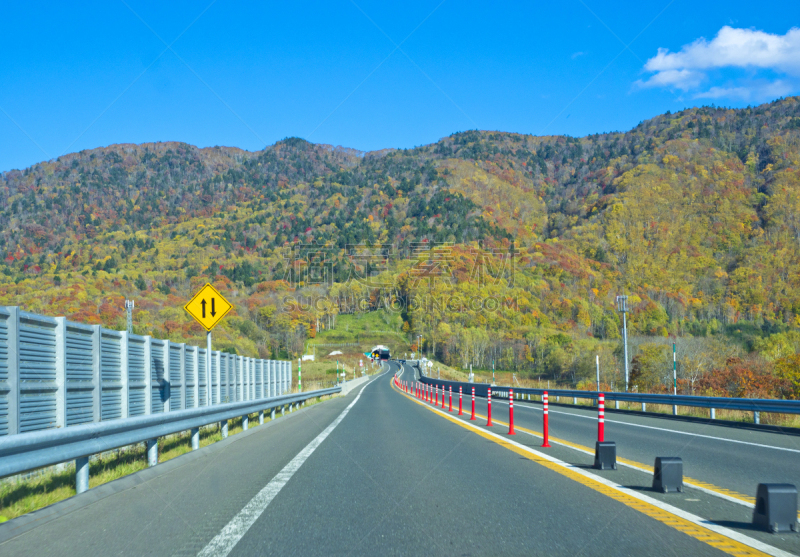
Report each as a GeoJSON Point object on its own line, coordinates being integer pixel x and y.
{"type": "Point", "coordinates": [758, 91]}
{"type": "Point", "coordinates": [746, 49]}
{"type": "Point", "coordinates": [680, 79]}
{"type": "Point", "coordinates": [576, 54]}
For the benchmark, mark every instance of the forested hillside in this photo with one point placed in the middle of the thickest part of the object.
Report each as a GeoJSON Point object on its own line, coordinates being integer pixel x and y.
{"type": "Point", "coordinates": [490, 245]}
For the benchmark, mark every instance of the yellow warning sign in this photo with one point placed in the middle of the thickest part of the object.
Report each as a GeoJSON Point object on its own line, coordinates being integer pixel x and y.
{"type": "Point", "coordinates": [208, 307]}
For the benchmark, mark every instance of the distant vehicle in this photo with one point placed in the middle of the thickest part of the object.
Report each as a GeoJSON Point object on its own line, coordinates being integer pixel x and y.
{"type": "Point", "coordinates": [381, 352]}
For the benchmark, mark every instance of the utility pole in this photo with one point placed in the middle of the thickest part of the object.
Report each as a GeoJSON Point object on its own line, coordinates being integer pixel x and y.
{"type": "Point", "coordinates": [129, 312]}
{"type": "Point", "coordinates": [622, 306]}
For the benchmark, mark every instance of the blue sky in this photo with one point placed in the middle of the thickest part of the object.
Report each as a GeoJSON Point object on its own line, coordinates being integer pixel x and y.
{"type": "Point", "coordinates": [372, 75]}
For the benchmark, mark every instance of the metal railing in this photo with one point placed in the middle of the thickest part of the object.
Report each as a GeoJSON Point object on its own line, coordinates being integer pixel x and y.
{"type": "Point", "coordinates": [755, 405]}
{"type": "Point", "coordinates": [56, 373]}
{"type": "Point", "coordinates": [28, 451]}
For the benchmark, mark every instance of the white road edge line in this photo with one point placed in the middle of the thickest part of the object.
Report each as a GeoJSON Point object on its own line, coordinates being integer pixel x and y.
{"type": "Point", "coordinates": [741, 538]}
{"type": "Point", "coordinates": [222, 544]}
{"type": "Point", "coordinates": [531, 407]}
{"type": "Point", "coordinates": [646, 471]}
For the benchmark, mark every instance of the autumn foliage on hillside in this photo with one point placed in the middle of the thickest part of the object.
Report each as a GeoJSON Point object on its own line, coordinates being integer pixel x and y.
{"type": "Point", "coordinates": [493, 246]}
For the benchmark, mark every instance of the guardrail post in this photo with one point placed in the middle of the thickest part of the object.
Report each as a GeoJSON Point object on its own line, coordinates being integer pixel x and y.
{"type": "Point", "coordinates": [12, 381]}
{"type": "Point", "coordinates": [272, 413]}
{"type": "Point", "coordinates": [123, 375]}
{"type": "Point", "coordinates": [96, 385]}
{"type": "Point", "coordinates": [575, 401]}
{"type": "Point", "coordinates": [674, 409]}
{"type": "Point", "coordinates": [223, 426]}
{"type": "Point", "coordinates": [218, 377]}
{"type": "Point", "coordinates": [644, 407]}
{"type": "Point", "coordinates": [244, 374]}
{"type": "Point", "coordinates": [148, 376]}
{"type": "Point", "coordinates": [81, 473]}
{"type": "Point", "coordinates": [756, 417]}
{"type": "Point", "coordinates": [270, 379]}
{"type": "Point", "coordinates": [61, 373]}
{"type": "Point", "coordinates": [195, 438]}
{"type": "Point", "coordinates": [194, 354]}
{"type": "Point", "coordinates": [713, 414]}
{"type": "Point", "coordinates": [167, 379]}
{"type": "Point", "coordinates": [152, 452]}
{"type": "Point", "coordinates": [245, 422]}
{"type": "Point", "coordinates": [616, 404]}
{"type": "Point", "coordinates": [260, 417]}
{"type": "Point", "coordinates": [263, 369]}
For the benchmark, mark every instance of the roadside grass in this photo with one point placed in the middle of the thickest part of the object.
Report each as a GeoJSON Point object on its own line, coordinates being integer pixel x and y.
{"type": "Point", "coordinates": [365, 330]}
{"type": "Point", "coordinates": [506, 378]}
{"type": "Point", "coordinates": [23, 495]}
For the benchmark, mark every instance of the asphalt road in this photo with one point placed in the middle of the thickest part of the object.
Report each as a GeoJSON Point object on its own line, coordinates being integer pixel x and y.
{"type": "Point", "coordinates": [389, 476]}
{"type": "Point", "coordinates": [733, 457]}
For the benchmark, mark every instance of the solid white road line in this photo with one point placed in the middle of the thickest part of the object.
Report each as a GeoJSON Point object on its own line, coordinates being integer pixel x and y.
{"type": "Point", "coordinates": [529, 407]}
{"type": "Point", "coordinates": [226, 540]}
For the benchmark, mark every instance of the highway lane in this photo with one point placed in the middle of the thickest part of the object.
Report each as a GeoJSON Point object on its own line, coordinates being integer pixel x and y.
{"type": "Point", "coordinates": [702, 503]}
{"type": "Point", "coordinates": [732, 458]}
{"type": "Point", "coordinates": [389, 477]}
{"type": "Point", "coordinates": [396, 479]}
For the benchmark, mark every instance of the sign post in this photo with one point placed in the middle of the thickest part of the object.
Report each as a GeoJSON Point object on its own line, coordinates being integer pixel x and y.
{"type": "Point", "coordinates": [208, 307]}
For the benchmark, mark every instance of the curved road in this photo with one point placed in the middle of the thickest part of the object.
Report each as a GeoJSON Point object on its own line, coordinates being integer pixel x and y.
{"type": "Point", "coordinates": [377, 472]}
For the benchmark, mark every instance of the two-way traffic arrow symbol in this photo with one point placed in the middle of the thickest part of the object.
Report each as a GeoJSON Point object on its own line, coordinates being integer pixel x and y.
{"type": "Point", "coordinates": [203, 303]}
{"type": "Point", "coordinates": [213, 311]}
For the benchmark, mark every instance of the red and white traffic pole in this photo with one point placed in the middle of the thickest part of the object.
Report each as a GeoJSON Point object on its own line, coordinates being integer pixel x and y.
{"type": "Point", "coordinates": [473, 404]}
{"type": "Point", "coordinates": [443, 390]}
{"type": "Point", "coordinates": [511, 412]}
{"type": "Point", "coordinates": [601, 417]}
{"type": "Point", "coordinates": [544, 426]}
{"type": "Point", "coordinates": [436, 400]}
{"type": "Point", "coordinates": [451, 399]}
{"type": "Point", "coordinates": [460, 393]}
{"type": "Point", "coordinates": [489, 421]}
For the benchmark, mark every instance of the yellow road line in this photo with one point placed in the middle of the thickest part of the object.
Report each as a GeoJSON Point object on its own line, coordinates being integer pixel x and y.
{"type": "Point", "coordinates": [712, 489]}
{"type": "Point", "coordinates": [701, 533]}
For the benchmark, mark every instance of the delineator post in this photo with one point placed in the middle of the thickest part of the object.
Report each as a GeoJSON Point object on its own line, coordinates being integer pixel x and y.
{"type": "Point", "coordinates": [473, 404]}
{"type": "Point", "coordinates": [511, 412]}
{"type": "Point", "coordinates": [489, 412]}
{"type": "Point", "coordinates": [601, 417]}
{"type": "Point", "coordinates": [545, 436]}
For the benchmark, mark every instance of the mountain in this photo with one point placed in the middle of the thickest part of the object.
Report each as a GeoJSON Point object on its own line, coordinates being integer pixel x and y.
{"type": "Point", "coordinates": [696, 215]}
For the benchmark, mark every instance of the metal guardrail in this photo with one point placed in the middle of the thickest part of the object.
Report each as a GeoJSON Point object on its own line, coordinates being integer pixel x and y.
{"type": "Point", "coordinates": [755, 405]}
{"type": "Point", "coordinates": [56, 373]}
{"type": "Point", "coordinates": [20, 453]}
